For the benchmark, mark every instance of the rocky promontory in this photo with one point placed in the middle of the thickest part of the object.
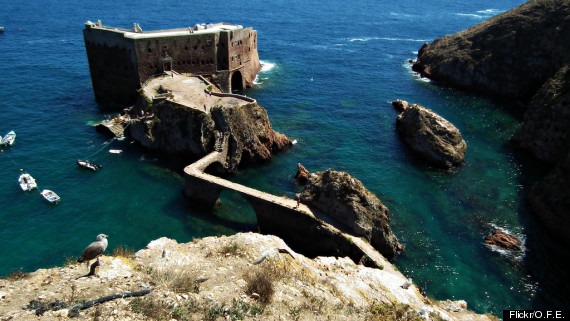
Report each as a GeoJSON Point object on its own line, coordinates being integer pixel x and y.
{"type": "Point", "coordinates": [521, 54]}
{"type": "Point", "coordinates": [430, 135]}
{"type": "Point", "coordinates": [509, 55]}
{"type": "Point", "coordinates": [182, 116]}
{"type": "Point", "coordinates": [247, 276]}
{"type": "Point", "coordinates": [352, 208]}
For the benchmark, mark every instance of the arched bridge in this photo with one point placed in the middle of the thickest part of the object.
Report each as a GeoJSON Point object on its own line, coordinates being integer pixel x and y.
{"type": "Point", "coordinates": [302, 228]}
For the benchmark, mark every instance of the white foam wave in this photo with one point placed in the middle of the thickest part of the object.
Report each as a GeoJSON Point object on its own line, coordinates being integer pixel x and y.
{"type": "Point", "coordinates": [363, 39]}
{"type": "Point", "coordinates": [472, 15]}
{"type": "Point", "coordinates": [266, 66]}
{"type": "Point", "coordinates": [403, 39]}
{"type": "Point", "coordinates": [489, 11]}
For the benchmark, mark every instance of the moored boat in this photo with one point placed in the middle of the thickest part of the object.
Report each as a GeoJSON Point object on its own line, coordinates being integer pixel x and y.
{"type": "Point", "coordinates": [88, 165]}
{"type": "Point", "coordinates": [50, 196]}
{"type": "Point", "coordinates": [9, 139]}
{"type": "Point", "coordinates": [27, 182]}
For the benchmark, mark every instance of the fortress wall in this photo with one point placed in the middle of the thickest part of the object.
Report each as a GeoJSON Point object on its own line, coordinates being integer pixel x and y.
{"type": "Point", "coordinates": [121, 60]}
{"type": "Point", "coordinates": [193, 53]}
{"type": "Point", "coordinates": [113, 67]}
{"type": "Point", "coordinates": [243, 54]}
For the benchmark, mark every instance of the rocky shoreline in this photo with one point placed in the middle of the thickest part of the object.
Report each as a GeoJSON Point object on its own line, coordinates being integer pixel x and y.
{"type": "Point", "coordinates": [520, 55]}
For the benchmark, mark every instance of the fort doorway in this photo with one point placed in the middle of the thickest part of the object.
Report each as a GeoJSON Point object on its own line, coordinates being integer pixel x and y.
{"type": "Point", "coordinates": [237, 81]}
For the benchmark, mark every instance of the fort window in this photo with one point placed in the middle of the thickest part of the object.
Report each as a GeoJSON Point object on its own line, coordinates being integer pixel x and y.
{"type": "Point", "coordinates": [164, 47]}
{"type": "Point", "coordinates": [186, 48]}
{"type": "Point", "coordinates": [149, 50]}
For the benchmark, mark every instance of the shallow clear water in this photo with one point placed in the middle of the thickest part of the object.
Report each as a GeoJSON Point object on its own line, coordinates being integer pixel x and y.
{"type": "Point", "coordinates": [336, 68]}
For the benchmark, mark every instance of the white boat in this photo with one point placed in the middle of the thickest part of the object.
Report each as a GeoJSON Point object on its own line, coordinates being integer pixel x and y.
{"type": "Point", "coordinates": [1, 29]}
{"type": "Point", "coordinates": [115, 151]}
{"type": "Point", "coordinates": [50, 196]}
{"type": "Point", "coordinates": [27, 182]}
{"type": "Point", "coordinates": [9, 139]}
{"type": "Point", "coordinates": [88, 165]}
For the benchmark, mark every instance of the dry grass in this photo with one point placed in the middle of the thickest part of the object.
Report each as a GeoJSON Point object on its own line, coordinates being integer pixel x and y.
{"type": "Point", "coordinates": [17, 275]}
{"type": "Point", "coordinates": [125, 252]}
{"type": "Point", "coordinates": [179, 279]}
{"type": "Point", "coordinates": [392, 312]}
{"type": "Point", "coordinates": [260, 280]}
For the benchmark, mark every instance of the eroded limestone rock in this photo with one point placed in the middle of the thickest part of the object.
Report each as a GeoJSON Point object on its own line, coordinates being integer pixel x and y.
{"type": "Point", "coordinates": [344, 199]}
{"type": "Point", "coordinates": [432, 136]}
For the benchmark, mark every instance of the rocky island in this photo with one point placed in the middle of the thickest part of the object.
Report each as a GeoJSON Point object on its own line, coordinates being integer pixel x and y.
{"type": "Point", "coordinates": [430, 135]}
{"type": "Point", "coordinates": [520, 55]}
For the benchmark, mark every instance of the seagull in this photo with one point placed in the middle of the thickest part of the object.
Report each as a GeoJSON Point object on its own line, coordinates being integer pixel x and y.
{"type": "Point", "coordinates": [406, 284]}
{"type": "Point", "coordinates": [94, 250]}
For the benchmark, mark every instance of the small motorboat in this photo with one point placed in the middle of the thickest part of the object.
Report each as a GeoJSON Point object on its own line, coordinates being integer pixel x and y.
{"type": "Point", "coordinates": [9, 139]}
{"type": "Point", "coordinates": [27, 182]}
{"type": "Point", "coordinates": [50, 196]}
{"type": "Point", "coordinates": [88, 165]}
{"type": "Point", "coordinates": [115, 151]}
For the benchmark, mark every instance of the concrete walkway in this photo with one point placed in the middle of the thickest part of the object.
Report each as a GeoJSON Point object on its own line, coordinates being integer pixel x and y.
{"type": "Point", "coordinates": [189, 91]}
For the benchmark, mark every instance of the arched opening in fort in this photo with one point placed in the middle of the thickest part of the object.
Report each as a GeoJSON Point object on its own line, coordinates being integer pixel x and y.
{"type": "Point", "coordinates": [237, 81]}
{"type": "Point", "coordinates": [166, 63]}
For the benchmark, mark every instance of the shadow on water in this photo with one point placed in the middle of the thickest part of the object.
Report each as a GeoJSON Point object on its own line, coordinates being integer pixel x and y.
{"type": "Point", "coordinates": [545, 257]}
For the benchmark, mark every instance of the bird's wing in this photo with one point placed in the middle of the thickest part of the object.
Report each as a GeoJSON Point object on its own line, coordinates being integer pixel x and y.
{"type": "Point", "coordinates": [92, 251]}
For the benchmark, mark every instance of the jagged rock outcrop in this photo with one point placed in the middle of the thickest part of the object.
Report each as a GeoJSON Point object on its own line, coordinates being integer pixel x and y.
{"type": "Point", "coordinates": [302, 175]}
{"type": "Point", "coordinates": [252, 139]}
{"type": "Point", "coordinates": [550, 200]}
{"type": "Point", "coordinates": [432, 136]}
{"type": "Point", "coordinates": [509, 55]}
{"type": "Point", "coordinates": [344, 199]}
{"type": "Point", "coordinates": [504, 241]}
{"type": "Point", "coordinates": [176, 129]}
{"type": "Point", "coordinates": [545, 130]}
{"type": "Point", "coordinates": [247, 276]}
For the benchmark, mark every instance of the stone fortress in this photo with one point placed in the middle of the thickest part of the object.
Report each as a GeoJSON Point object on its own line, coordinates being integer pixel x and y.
{"type": "Point", "coordinates": [122, 60]}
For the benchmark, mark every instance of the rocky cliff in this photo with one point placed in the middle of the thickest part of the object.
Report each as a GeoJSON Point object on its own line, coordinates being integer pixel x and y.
{"type": "Point", "coordinates": [180, 130]}
{"type": "Point", "coordinates": [509, 55]}
{"type": "Point", "coordinates": [352, 207]}
{"type": "Point", "coordinates": [247, 276]}
{"type": "Point", "coordinates": [520, 54]}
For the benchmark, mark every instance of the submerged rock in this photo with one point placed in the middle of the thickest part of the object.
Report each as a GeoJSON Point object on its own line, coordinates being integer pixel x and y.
{"type": "Point", "coordinates": [504, 241]}
{"type": "Point", "coordinates": [344, 199]}
{"type": "Point", "coordinates": [432, 136]}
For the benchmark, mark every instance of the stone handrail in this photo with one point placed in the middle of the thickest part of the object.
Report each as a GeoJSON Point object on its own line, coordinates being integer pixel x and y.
{"type": "Point", "coordinates": [242, 97]}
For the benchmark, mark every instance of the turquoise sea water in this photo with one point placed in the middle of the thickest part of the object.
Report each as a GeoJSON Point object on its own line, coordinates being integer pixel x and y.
{"type": "Point", "coordinates": [332, 69]}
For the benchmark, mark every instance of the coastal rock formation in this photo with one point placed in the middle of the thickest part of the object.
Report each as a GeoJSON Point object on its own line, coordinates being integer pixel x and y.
{"type": "Point", "coordinates": [302, 175]}
{"type": "Point", "coordinates": [509, 55]}
{"type": "Point", "coordinates": [504, 241]}
{"type": "Point", "coordinates": [400, 105]}
{"type": "Point", "coordinates": [545, 130]}
{"type": "Point", "coordinates": [247, 276]}
{"type": "Point", "coordinates": [430, 135]}
{"type": "Point", "coordinates": [345, 200]}
{"type": "Point", "coordinates": [180, 130]}
{"type": "Point", "coordinates": [252, 140]}
{"type": "Point", "coordinates": [550, 200]}
{"type": "Point", "coordinates": [520, 54]}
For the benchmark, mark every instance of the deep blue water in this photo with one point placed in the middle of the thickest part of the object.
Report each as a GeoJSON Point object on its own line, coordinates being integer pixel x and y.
{"type": "Point", "coordinates": [336, 67]}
